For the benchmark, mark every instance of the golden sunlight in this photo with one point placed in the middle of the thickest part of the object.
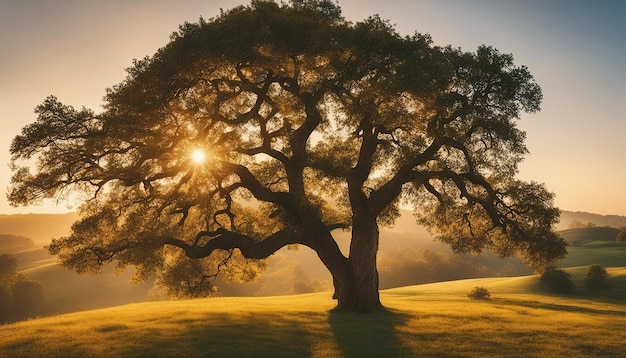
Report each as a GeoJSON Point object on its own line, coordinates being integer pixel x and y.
{"type": "Point", "coordinates": [198, 156]}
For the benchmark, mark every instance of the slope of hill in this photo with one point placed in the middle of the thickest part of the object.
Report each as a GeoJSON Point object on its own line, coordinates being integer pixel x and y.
{"type": "Point", "coordinates": [568, 217]}
{"type": "Point", "coordinates": [13, 243]}
{"type": "Point", "coordinates": [593, 245]}
{"type": "Point", "coordinates": [586, 235]}
{"type": "Point", "coordinates": [39, 227]}
{"type": "Point", "coordinates": [66, 291]}
{"type": "Point", "coordinates": [428, 320]}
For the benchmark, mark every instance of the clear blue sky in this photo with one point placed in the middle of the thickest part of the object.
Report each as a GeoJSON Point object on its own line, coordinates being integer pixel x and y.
{"type": "Point", "coordinates": [74, 49]}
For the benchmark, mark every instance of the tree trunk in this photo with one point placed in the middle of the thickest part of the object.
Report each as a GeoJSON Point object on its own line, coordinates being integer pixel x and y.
{"type": "Point", "coordinates": [358, 290]}
{"type": "Point", "coordinates": [355, 278]}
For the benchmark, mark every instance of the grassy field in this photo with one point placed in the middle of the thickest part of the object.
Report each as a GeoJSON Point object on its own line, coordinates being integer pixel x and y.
{"type": "Point", "coordinates": [520, 320]}
{"type": "Point", "coordinates": [593, 245]}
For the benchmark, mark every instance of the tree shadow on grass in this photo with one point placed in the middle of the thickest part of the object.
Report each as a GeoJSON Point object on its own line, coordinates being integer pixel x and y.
{"type": "Point", "coordinates": [369, 334]}
{"type": "Point", "coordinates": [251, 335]}
{"type": "Point", "coordinates": [559, 307]}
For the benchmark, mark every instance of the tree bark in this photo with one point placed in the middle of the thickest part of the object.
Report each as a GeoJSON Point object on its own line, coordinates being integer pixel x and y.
{"type": "Point", "coordinates": [359, 289]}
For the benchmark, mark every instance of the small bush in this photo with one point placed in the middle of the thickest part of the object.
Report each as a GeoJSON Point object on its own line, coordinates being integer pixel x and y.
{"type": "Point", "coordinates": [596, 278]}
{"type": "Point", "coordinates": [557, 281]}
{"type": "Point", "coordinates": [8, 264]}
{"type": "Point", "coordinates": [479, 293]}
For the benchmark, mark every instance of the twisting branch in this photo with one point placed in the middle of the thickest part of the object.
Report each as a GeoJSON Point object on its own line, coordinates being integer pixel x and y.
{"type": "Point", "coordinates": [225, 194]}
{"type": "Point", "coordinates": [105, 255]}
{"type": "Point", "coordinates": [489, 204]}
{"type": "Point", "coordinates": [258, 190]}
{"type": "Point", "coordinates": [223, 239]}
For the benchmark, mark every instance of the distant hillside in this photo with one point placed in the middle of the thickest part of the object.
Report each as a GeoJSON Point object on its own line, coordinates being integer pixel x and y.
{"type": "Point", "coordinates": [39, 227]}
{"type": "Point", "coordinates": [65, 290]}
{"type": "Point", "coordinates": [593, 245]}
{"type": "Point", "coordinates": [43, 227]}
{"type": "Point", "coordinates": [582, 236]}
{"type": "Point", "coordinates": [12, 243]}
{"type": "Point", "coordinates": [568, 217]}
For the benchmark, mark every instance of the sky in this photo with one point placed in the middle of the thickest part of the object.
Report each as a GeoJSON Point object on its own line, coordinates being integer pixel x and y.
{"type": "Point", "coordinates": [576, 50]}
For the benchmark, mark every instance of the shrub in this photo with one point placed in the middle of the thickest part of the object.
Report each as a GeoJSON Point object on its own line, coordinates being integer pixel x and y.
{"type": "Point", "coordinates": [556, 280]}
{"type": "Point", "coordinates": [8, 264]}
{"type": "Point", "coordinates": [596, 278]}
{"type": "Point", "coordinates": [19, 296]}
{"type": "Point", "coordinates": [621, 236]}
{"type": "Point", "coordinates": [479, 293]}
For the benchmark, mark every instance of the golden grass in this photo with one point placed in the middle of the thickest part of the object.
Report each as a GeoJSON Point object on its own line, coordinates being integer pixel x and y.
{"type": "Point", "coordinates": [427, 320]}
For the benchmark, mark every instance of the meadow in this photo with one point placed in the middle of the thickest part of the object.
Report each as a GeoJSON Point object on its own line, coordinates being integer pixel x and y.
{"type": "Point", "coordinates": [520, 319]}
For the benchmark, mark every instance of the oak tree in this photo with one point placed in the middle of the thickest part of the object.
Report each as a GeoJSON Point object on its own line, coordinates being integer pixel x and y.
{"type": "Point", "coordinates": [277, 124]}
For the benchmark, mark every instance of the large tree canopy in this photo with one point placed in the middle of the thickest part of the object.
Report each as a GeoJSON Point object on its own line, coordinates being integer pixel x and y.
{"type": "Point", "coordinates": [308, 124]}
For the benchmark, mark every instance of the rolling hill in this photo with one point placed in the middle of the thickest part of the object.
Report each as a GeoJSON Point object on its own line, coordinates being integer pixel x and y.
{"type": "Point", "coordinates": [568, 217]}
{"type": "Point", "coordinates": [41, 228]}
{"type": "Point", "coordinates": [593, 245]}
{"type": "Point", "coordinates": [520, 320]}
{"type": "Point", "coordinates": [586, 235]}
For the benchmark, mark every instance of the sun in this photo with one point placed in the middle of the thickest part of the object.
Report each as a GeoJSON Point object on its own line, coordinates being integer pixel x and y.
{"type": "Point", "coordinates": [198, 156]}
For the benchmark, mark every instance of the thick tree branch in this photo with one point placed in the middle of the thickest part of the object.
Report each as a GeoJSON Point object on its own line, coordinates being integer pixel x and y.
{"type": "Point", "coordinates": [359, 173]}
{"type": "Point", "coordinates": [228, 240]}
{"type": "Point", "coordinates": [265, 149]}
{"type": "Point", "coordinates": [298, 142]}
{"type": "Point", "coordinates": [258, 190]}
